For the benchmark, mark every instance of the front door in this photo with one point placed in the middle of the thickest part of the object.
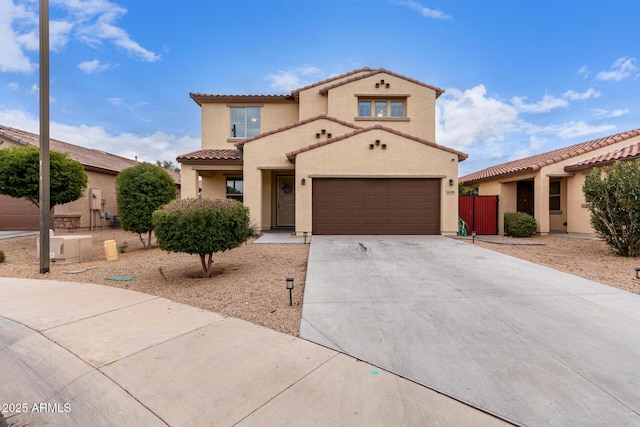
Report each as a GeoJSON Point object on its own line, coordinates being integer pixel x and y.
{"type": "Point", "coordinates": [525, 197]}
{"type": "Point", "coordinates": [285, 201]}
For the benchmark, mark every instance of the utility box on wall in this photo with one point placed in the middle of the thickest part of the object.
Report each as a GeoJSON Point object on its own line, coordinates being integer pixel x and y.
{"type": "Point", "coordinates": [95, 199]}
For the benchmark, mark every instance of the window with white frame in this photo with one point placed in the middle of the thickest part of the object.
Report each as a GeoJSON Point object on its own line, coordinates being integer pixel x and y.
{"type": "Point", "coordinates": [382, 108]}
{"type": "Point", "coordinates": [245, 122]}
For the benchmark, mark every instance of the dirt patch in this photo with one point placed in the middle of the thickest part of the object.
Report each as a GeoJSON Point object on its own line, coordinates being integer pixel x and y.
{"type": "Point", "coordinates": [248, 282]}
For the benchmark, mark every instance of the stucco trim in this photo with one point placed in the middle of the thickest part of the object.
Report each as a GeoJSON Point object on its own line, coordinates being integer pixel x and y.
{"type": "Point", "coordinates": [376, 176]}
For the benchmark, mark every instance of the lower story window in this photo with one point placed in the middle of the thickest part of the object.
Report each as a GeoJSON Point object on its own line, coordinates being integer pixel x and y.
{"type": "Point", "coordinates": [234, 189]}
{"type": "Point", "coordinates": [554, 196]}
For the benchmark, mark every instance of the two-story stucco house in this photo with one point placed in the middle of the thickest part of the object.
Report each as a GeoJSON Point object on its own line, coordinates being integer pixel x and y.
{"type": "Point", "coordinates": [548, 186]}
{"type": "Point", "coordinates": [353, 154]}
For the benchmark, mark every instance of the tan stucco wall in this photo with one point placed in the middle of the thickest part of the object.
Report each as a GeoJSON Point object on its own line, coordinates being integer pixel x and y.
{"type": "Point", "coordinates": [216, 121]}
{"type": "Point", "coordinates": [580, 219]}
{"type": "Point", "coordinates": [420, 108]}
{"type": "Point", "coordinates": [312, 103]}
{"type": "Point", "coordinates": [267, 154]}
{"type": "Point", "coordinates": [107, 186]}
{"type": "Point", "coordinates": [353, 158]}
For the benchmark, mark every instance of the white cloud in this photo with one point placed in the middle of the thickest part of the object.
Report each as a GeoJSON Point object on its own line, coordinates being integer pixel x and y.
{"type": "Point", "coordinates": [422, 10]}
{"type": "Point", "coordinates": [92, 22]}
{"type": "Point", "coordinates": [622, 69]}
{"type": "Point", "coordinates": [13, 86]}
{"type": "Point", "coordinates": [94, 66]}
{"type": "Point", "coordinates": [584, 71]}
{"type": "Point", "coordinates": [15, 40]}
{"type": "Point", "coordinates": [464, 118]}
{"type": "Point", "coordinates": [605, 114]}
{"type": "Point", "coordinates": [589, 93]}
{"type": "Point", "coordinates": [148, 147]}
{"type": "Point", "coordinates": [574, 129]}
{"type": "Point", "coordinates": [295, 78]}
{"type": "Point", "coordinates": [548, 103]}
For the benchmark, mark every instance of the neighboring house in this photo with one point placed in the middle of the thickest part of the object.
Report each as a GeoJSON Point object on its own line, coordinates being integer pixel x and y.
{"type": "Point", "coordinates": [101, 169]}
{"type": "Point", "coordinates": [549, 185]}
{"type": "Point", "coordinates": [353, 154]}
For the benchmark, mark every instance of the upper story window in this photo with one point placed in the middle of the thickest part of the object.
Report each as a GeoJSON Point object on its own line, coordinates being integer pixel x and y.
{"type": "Point", "coordinates": [382, 108]}
{"type": "Point", "coordinates": [245, 122]}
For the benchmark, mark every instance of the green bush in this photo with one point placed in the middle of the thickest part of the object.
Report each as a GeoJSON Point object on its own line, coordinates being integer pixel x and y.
{"type": "Point", "coordinates": [613, 194]}
{"type": "Point", "coordinates": [140, 190]}
{"type": "Point", "coordinates": [519, 224]}
{"type": "Point", "coordinates": [1, 257]}
{"type": "Point", "coordinates": [20, 175]}
{"type": "Point", "coordinates": [202, 227]}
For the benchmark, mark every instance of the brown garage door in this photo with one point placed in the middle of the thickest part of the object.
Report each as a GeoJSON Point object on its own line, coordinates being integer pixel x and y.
{"type": "Point", "coordinates": [376, 206]}
{"type": "Point", "coordinates": [18, 214]}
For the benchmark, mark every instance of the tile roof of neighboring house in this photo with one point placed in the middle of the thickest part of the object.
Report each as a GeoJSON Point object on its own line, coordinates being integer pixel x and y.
{"type": "Point", "coordinates": [534, 163]}
{"type": "Point", "coordinates": [291, 155]}
{"type": "Point", "coordinates": [91, 159]}
{"type": "Point", "coordinates": [203, 97]}
{"type": "Point", "coordinates": [212, 156]}
{"type": "Point", "coordinates": [240, 144]}
{"type": "Point", "coordinates": [631, 152]}
{"type": "Point", "coordinates": [326, 89]}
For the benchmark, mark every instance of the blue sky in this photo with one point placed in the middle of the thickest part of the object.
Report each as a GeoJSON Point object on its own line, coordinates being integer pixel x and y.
{"type": "Point", "coordinates": [521, 77]}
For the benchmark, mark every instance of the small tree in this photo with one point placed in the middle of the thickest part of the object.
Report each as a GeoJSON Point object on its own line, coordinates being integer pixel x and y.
{"type": "Point", "coordinates": [168, 164]}
{"type": "Point", "coordinates": [140, 190]}
{"type": "Point", "coordinates": [203, 227]}
{"type": "Point", "coordinates": [20, 175]}
{"type": "Point", "coordinates": [613, 194]}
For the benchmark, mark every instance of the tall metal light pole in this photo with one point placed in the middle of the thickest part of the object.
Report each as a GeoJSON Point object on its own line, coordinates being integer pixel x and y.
{"type": "Point", "coordinates": [45, 183]}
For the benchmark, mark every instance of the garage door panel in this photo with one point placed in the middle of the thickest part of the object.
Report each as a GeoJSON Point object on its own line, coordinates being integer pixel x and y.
{"type": "Point", "coordinates": [376, 206]}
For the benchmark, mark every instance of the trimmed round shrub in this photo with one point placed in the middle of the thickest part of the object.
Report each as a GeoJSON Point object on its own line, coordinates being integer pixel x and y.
{"type": "Point", "coordinates": [519, 224]}
{"type": "Point", "coordinates": [202, 227]}
{"type": "Point", "coordinates": [140, 190]}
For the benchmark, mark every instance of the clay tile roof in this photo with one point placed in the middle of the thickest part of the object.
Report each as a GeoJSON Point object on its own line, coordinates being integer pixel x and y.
{"type": "Point", "coordinates": [631, 152]}
{"type": "Point", "coordinates": [209, 156]}
{"type": "Point", "coordinates": [240, 144]}
{"type": "Point", "coordinates": [365, 70]}
{"type": "Point", "coordinates": [90, 158]}
{"type": "Point", "coordinates": [292, 155]}
{"type": "Point", "coordinates": [326, 89]}
{"type": "Point", "coordinates": [534, 163]}
{"type": "Point", "coordinates": [199, 98]}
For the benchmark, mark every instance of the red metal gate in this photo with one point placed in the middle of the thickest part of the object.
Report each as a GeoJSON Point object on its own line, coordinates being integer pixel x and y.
{"type": "Point", "coordinates": [480, 213]}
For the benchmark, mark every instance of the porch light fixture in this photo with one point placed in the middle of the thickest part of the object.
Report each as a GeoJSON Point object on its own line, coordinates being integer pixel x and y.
{"type": "Point", "coordinates": [303, 181]}
{"type": "Point", "coordinates": [451, 183]}
{"type": "Point", "coordinates": [290, 287]}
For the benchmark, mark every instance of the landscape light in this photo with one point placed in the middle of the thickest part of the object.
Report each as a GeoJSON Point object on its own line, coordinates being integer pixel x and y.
{"type": "Point", "coordinates": [290, 287]}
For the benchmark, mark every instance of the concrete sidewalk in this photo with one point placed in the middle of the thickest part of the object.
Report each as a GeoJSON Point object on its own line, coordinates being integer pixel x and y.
{"type": "Point", "coordinates": [75, 354]}
{"type": "Point", "coordinates": [529, 343]}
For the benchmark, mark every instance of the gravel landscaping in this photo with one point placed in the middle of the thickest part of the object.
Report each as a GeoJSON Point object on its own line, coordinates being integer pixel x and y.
{"type": "Point", "coordinates": [249, 281]}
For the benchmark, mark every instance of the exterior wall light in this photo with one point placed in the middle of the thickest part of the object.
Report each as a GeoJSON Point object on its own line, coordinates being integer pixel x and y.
{"type": "Point", "coordinates": [451, 183]}
{"type": "Point", "coordinates": [290, 287]}
{"type": "Point", "coordinates": [303, 181]}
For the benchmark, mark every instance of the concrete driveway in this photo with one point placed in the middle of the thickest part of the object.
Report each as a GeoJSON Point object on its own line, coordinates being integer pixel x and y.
{"type": "Point", "coordinates": [524, 342]}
